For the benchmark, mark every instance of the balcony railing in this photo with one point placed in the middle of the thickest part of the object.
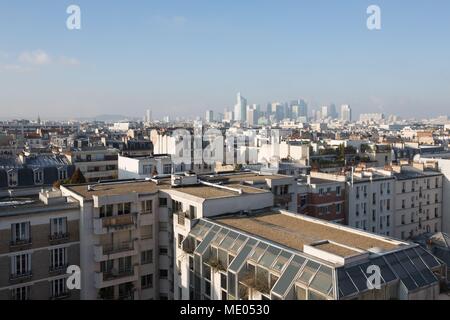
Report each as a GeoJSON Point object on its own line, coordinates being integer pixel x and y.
{"type": "Point", "coordinates": [58, 237]}
{"type": "Point", "coordinates": [58, 268]}
{"type": "Point", "coordinates": [117, 248]}
{"type": "Point", "coordinates": [20, 276]}
{"type": "Point", "coordinates": [20, 243]}
{"type": "Point", "coordinates": [112, 275]}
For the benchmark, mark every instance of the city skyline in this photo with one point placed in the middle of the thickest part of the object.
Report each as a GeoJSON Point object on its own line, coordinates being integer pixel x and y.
{"type": "Point", "coordinates": [183, 61]}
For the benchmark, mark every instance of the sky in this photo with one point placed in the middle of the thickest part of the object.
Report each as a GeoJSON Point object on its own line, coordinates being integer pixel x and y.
{"type": "Point", "coordinates": [180, 58]}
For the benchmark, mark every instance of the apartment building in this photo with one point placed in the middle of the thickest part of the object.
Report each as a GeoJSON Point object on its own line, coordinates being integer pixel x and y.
{"type": "Point", "coordinates": [278, 255]}
{"type": "Point", "coordinates": [39, 239]}
{"type": "Point", "coordinates": [96, 163]}
{"type": "Point", "coordinates": [370, 202]}
{"type": "Point", "coordinates": [283, 187]}
{"type": "Point", "coordinates": [126, 230]}
{"type": "Point", "coordinates": [418, 201]}
{"type": "Point", "coordinates": [144, 167]}
{"type": "Point", "coordinates": [323, 197]}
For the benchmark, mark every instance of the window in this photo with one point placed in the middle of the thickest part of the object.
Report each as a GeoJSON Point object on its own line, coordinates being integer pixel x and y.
{"type": "Point", "coordinates": [338, 208]}
{"type": "Point", "coordinates": [192, 212]}
{"type": "Point", "coordinates": [147, 257]}
{"type": "Point", "coordinates": [167, 169]}
{"type": "Point", "coordinates": [12, 179]}
{"type": "Point", "coordinates": [163, 251]}
{"type": "Point", "coordinates": [62, 174]}
{"type": "Point", "coordinates": [180, 240]}
{"type": "Point", "coordinates": [21, 265]}
{"type": "Point", "coordinates": [147, 281]}
{"type": "Point", "coordinates": [58, 288]}
{"type": "Point", "coordinates": [223, 281]}
{"type": "Point", "coordinates": [147, 206]}
{"type": "Point", "coordinates": [163, 226]}
{"type": "Point", "coordinates": [321, 191]}
{"type": "Point", "coordinates": [58, 258]}
{"type": "Point", "coordinates": [163, 274]}
{"type": "Point", "coordinates": [147, 232]}
{"type": "Point", "coordinates": [338, 191]}
{"type": "Point", "coordinates": [388, 204]}
{"type": "Point", "coordinates": [124, 265]}
{"type": "Point", "coordinates": [163, 202]}
{"type": "Point", "coordinates": [22, 293]}
{"type": "Point", "coordinates": [20, 233]}
{"type": "Point", "coordinates": [147, 169]}
{"type": "Point", "coordinates": [58, 228]}
{"type": "Point", "coordinates": [38, 177]}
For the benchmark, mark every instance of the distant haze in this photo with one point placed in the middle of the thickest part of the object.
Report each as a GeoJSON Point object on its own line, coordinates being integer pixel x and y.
{"type": "Point", "coordinates": [180, 58]}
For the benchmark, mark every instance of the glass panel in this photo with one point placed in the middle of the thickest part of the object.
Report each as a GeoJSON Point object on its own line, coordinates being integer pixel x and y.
{"type": "Point", "coordinates": [346, 287]}
{"type": "Point", "coordinates": [314, 296]}
{"type": "Point", "coordinates": [269, 257]}
{"type": "Point", "coordinates": [240, 259]}
{"type": "Point", "coordinates": [205, 243]}
{"type": "Point", "coordinates": [323, 281]}
{"type": "Point", "coordinates": [238, 243]}
{"type": "Point", "coordinates": [220, 236]}
{"type": "Point", "coordinates": [358, 278]}
{"type": "Point", "coordinates": [229, 240]}
{"type": "Point", "coordinates": [423, 269]}
{"type": "Point", "coordinates": [300, 293]}
{"type": "Point", "coordinates": [386, 272]}
{"type": "Point", "coordinates": [427, 257]}
{"type": "Point", "coordinates": [289, 276]}
{"type": "Point", "coordinates": [259, 250]}
{"type": "Point", "coordinates": [281, 261]}
{"type": "Point", "coordinates": [401, 272]}
{"type": "Point", "coordinates": [309, 271]}
{"type": "Point", "coordinates": [410, 268]}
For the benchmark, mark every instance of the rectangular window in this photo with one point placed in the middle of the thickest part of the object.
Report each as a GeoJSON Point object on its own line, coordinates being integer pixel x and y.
{"type": "Point", "coordinates": [58, 258]}
{"type": "Point", "coordinates": [58, 228]}
{"type": "Point", "coordinates": [147, 281]}
{"type": "Point", "coordinates": [58, 288]}
{"type": "Point", "coordinates": [180, 240]}
{"type": "Point", "coordinates": [338, 191]}
{"type": "Point", "coordinates": [147, 206]}
{"type": "Point", "coordinates": [163, 251]}
{"type": "Point", "coordinates": [147, 257]}
{"type": "Point", "coordinates": [163, 202]}
{"type": "Point", "coordinates": [147, 232]}
{"type": "Point", "coordinates": [21, 265]}
{"type": "Point", "coordinates": [22, 293]}
{"type": "Point", "coordinates": [163, 226]}
{"type": "Point", "coordinates": [20, 233]}
{"type": "Point", "coordinates": [163, 274]}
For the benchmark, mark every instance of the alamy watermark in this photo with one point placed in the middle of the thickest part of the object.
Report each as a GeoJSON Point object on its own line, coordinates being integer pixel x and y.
{"type": "Point", "coordinates": [374, 19]}
{"type": "Point", "coordinates": [73, 22]}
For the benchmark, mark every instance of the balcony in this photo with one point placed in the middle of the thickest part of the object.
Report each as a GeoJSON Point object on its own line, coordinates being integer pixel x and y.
{"type": "Point", "coordinates": [60, 296]}
{"type": "Point", "coordinates": [61, 269]}
{"type": "Point", "coordinates": [115, 277]}
{"type": "Point", "coordinates": [20, 244]}
{"type": "Point", "coordinates": [283, 199]}
{"type": "Point", "coordinates": [116, 251]}
{"type": "Point", "coordinates": [19, 277]}
{"type": "Point", "coordinates": [115, 223]}
{"type": "Point", "coordinates": [57, 238]}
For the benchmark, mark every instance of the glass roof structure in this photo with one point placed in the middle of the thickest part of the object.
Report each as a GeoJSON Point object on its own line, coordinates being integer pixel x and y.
{"type": "Point", "coordinates": [412, 265]}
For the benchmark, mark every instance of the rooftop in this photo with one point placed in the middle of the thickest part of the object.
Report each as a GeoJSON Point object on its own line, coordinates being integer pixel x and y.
{"type": "Point", "coordinates": [297, 231]}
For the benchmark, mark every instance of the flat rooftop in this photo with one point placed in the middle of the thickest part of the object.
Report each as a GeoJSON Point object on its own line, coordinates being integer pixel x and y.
{"type": "Point", "coordinates": [111, 189]}
{"type": "Point", "coordinates": [296, 231]}
{"type": "Point", "coordinates": [142, 187]}
{"type": "Point", "coordinates": [210, 192]}
{"type": "Point", "coordinates": [254, 177]}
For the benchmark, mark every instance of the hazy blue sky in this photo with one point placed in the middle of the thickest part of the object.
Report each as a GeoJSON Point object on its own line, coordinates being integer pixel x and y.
{"type": "Point", "coordinates": [183, 57]}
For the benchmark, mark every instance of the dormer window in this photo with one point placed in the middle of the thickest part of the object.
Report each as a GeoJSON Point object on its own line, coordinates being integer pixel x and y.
{"type": "Point", "coordinates": [12, 179]}
{"type": "Point", "coordinates": [38, 177]}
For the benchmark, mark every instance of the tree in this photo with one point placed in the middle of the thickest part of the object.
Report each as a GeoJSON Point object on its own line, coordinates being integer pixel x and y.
{"type": "Point", "coordinates": [77, 177]}
{"type": "Point", "coordinates": [341, 152]}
